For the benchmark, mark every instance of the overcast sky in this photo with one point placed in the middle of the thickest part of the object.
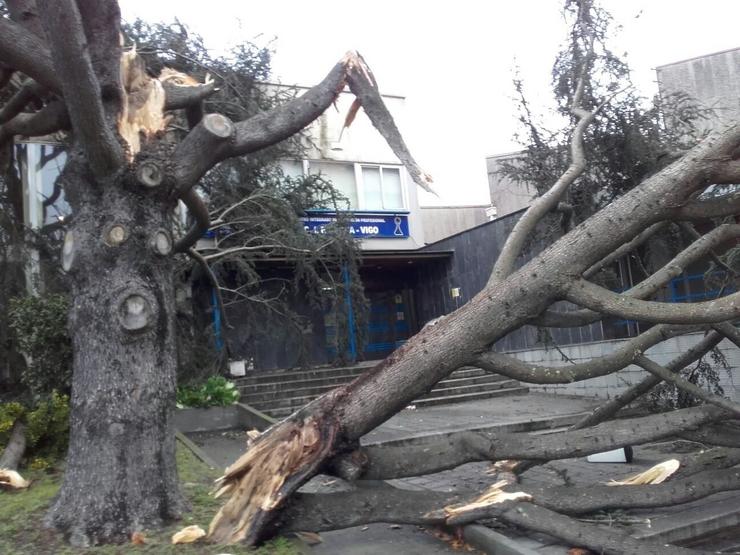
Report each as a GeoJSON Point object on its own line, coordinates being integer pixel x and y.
{"type": "Point", "coordinates": [453, 61]}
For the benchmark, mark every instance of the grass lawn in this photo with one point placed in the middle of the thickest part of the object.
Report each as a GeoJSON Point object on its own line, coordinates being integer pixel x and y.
{"type": "Point", "coordinates": [21, 514]}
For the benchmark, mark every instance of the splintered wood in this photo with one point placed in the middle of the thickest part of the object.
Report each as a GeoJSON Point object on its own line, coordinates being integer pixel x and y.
{"type": "Point", "coordinates": [255, 481]}
{"type": "Point", "coordinates": [142, 115]}
{"type": "Point", "coordinates": [494, 495]}
{"type": "Point", "coordinates": [654, 475]}
{"type": "Point", "coordinates": [12, 480]}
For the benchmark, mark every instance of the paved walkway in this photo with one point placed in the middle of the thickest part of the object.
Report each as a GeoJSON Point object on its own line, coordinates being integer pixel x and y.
{"type": "Point", "coordinates": [533, 412]}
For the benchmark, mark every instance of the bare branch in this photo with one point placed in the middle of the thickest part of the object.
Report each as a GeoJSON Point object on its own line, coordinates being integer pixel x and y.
{"type": "Point", "coordinates": [612, 407]}
{"type": "Point", "coordinates": [711, 208]}
{"type": "Point", "coordinates": [625, 249]}
{"type": "Point", "coordinates": [50, 119]}
{"type": "Point", "coordinates": [179, 97]}
{"type": "Point", "coordinates": [17, 103]}
{"type": "Point", "coordinates": [195, 255]}
{"type": "Point", "coordinates": [444, 451]}
{"type": "Point", "coordinates": [199, 212]}
{"type": "Point", "coordinates": [269, 128]}
{"type": "Point", "coordinates": [602, 300]}
{"type": "Point", "coordinates": [677, 380]}
{"type": "Point", "coordinates": [624, 355]}
{"type": "Point", "coordinates": [545, 203]}
{"type": "Point", "coordinates": [362, 83]}
{"type": "Point", "coordinates": [698, 249]}
{"type": "Point", "coordinates": [729, 331]}
{"type": "Point", "coordinates": [25, 52]}
{"type": "Point", "coordinates": [726, 434]}
{"type": "Point", "coordinates": [80, 86]}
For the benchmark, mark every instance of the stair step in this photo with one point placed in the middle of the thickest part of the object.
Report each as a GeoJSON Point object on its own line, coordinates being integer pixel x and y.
{"type": "Point", "coordinates": [471, 396]}
{"type": "Point", "coordinates": [290, 375]}
{"type": "Point", "coordinates": [472, 388]}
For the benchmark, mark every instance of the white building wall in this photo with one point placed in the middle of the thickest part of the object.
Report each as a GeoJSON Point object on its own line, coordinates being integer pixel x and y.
{"type": "Point", "coordinates": [608, 386]}
{"type": "Point", "coordinates": [362, 143]}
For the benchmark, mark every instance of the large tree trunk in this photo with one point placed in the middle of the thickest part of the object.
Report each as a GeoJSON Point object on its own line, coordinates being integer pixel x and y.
{"type": "Point", "coordinates": [121, 474]}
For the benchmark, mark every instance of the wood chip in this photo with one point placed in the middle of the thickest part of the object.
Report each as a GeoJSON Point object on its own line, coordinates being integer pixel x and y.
{"type": "Point", "coordinates": [12, 480]}
{"type": "Point", "coordinates": [654, 475]}
{"type": "Point", "coordinates": [189, 534]}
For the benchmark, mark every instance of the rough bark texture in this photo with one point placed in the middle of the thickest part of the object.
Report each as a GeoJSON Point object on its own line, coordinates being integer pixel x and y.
{"type": "Point", "coordinates": [16, 447]}
{"type": "Point", "coordinates": [121, 475]}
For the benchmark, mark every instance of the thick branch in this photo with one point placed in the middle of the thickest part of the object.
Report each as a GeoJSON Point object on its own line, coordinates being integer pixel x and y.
{"type": "Point", "coordinates": [320, 512]}
{"type": "Point", "coordinates": [80, 86]}
{"type": "Point", "coordinates": [604, 301]}
{"type": "Point", "coordinates": [50, 119]}
{"type": "Point", "coordinates": [729, 331]}
{"type": "Point", "coordinates": [725, 434]}
{"type": "Point", "coordinates": [711, 208]}
{"type": "Point", "coordinates": [27, 53]}
{"type": "Point", "coordinates": [25, 13]}
{"type": "Point", "coordinates": [362, 83]}
{"type": "Point", "coordinates": [697, 250]}
{"type": "Point", "coordinates": [608, 541]}
{"type": "Point", "coordinates": [612, 407]}
{"type": "Point", "coordinates": [677, 380]}
{"type": "Point", "coordinates": [179, 97]}
{"type": "Point", "coordinates": [543, 204]}
{"type": "Point", "coordinates": [280, 123]}
{"type": "Point", "coordinates": [624, 355]}
{"type": "Point", "coordinates": [199, 212]}
{"type": "Point", "coordinates": [101, 20]}
{"type": "Point", "coordinates": [15, 448]}
{"type": "Point", "coordinates": [17, 103]}
{"type": "Point", "coordinates": [444, 451]}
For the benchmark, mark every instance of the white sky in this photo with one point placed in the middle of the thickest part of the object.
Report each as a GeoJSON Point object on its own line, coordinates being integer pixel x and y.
{"type": "Point", "coordinates": [453, 61]}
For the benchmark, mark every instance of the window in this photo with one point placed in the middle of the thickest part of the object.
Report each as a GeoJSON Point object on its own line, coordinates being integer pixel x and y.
{"type": "Point", "coordinates": [40, 165]}
{"type": "Point", "coordinates": [367, 187]}
{"type": "Point", "coordinates": [382, 188]}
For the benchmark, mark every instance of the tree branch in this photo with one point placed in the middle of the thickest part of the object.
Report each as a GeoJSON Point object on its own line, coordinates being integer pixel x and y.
{"type": "Point", "coordinates": [542, 205]}
{"type": "Point", "coordinates": [624, 355]}
{"type": "Point", "coordinates": [195, 255]}
{"type": "Point", "coordinates": [602, 300]}
{"type": "Point", "coordinates": [612, 407]}
{"type": "Point", "coordinates": [17, 103]}
{"type": "Point", "coordinates": [25, 13]}
{"type": "Point", "coordinates": [695, 251]}
{"type": "Point", "coordinates": [80, 86]}
{"type": "Point", "coordinates": [25, 52]}
{"type": "Point", "coordinates": [269, 128]}
{"type": "Point", "coordinates": [50, 119]}
{"type": "Point", "coordinates": [427, 455]}
{"type": "Point", "coordinates": [728, 205]}
{"type": "Point", "coordinates": [625, 249]}
{"type": "Point", "coordinates": [729, 331]}
{"type": "Point", "coordinates": [199, 212]}
{"type": "Point", "coordinates": [179, 97]}
{"type": "Point", "coordinates": [677, 380]}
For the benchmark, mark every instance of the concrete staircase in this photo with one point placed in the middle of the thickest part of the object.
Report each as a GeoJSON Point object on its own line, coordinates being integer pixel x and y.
{"type": "Point", "coordinates": [280, 393]}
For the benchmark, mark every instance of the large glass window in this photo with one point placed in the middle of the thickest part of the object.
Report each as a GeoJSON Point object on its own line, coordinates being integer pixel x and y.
{"type": "Point", "coordinates": [342, 177]}
{"type": "Point", "coordinates": [41, 164]}
{"type": "Point", "coordinates": [367, 187]}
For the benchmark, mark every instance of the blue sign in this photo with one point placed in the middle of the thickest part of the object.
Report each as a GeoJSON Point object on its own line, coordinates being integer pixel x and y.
{"type": "Point", "coordinates": [364, 226]}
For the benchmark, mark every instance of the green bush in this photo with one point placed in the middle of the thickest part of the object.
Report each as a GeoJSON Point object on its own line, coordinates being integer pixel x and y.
{"type": "Point", "coordinates": [47, 432]}
{"type": "Point", "coordinates": [217, 391]}
{"type": "Point", "coordinates": [40, 327]}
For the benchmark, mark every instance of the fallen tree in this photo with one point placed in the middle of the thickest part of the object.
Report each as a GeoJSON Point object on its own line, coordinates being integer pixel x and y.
{"type": "Point", "coordinates": [123, 176]}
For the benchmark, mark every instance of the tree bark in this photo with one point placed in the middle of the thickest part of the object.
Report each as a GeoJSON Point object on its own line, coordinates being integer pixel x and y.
{"type": "Point", "coordinates": [16, 447]}
{"type": "Point", "coordinates": [121, 474]}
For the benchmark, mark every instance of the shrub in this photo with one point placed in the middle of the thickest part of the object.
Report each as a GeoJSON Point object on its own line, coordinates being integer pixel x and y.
{"type": "Point", "coordinates": [217, 391]}
{"type": "Point", "coordinates": [47, 432]}
{"type": "Point", "coordinates": [40, 326]}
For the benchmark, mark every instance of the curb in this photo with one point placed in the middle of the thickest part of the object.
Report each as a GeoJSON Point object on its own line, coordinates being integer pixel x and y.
{"type": "Point", "coordinates": [197, 451]}
{"type": "Point", "coordinates": [493, 543]}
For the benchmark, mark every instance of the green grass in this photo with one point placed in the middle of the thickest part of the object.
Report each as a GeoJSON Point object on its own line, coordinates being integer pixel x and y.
{"type": "Point", "coordinates": [22, 533]}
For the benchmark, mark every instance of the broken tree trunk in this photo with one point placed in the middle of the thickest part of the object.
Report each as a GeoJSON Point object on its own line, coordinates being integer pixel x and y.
{"type": "Point", "coordinates": [16, 447]}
